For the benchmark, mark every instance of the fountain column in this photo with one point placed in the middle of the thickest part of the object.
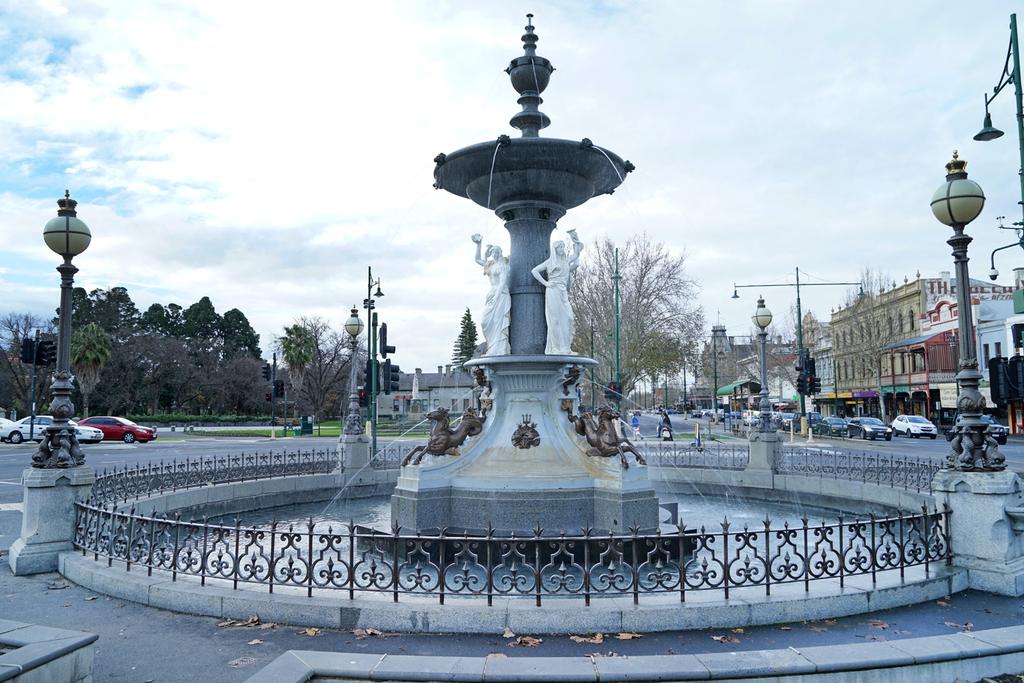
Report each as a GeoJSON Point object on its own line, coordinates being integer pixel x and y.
{"type": "Point", "coordinates": [529, 225]}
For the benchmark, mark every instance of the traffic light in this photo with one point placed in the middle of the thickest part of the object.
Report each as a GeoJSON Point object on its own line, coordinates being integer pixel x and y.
{"type": "Point", "coordinates": [998, 385]}
{"type": "Point", "coordinates": [799, 367]}
{"type": "Point", "coordinates": [815, 385]}
{"type": "Point", "coordinates": [611, 392]}
{"type": "Point", "coordinates": [368, 387]}
{"type": "Point", "coordinates": [46, 352]}
{"type": "Point", "coordinates": [28, 350]}
{"type": "Point", "coordinates": [364, 399]}
{"type": "Point", "coordinates": [1015, 377]}
{"type": "Point", "coordinates": [809, 365]}
{"type": "Point", "coordinates": [278, 388]}
{"type": "Point", "coordinates": [266, 371]}
{"type": "Point", "coordinates": [383, 348]}
{"type": "Point", "coordinates": [389, 377]}
{"type": "Point", "coordinates": [1015, 332]}
{"type": "Point", "coordinates": [269, 397]}
{"type": "Point", "coordinates": [801, 384]}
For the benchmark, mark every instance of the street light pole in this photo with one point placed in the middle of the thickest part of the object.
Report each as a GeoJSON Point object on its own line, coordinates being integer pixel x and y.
{"type": "Point", "coordinates": [68, 236]}
{"type": "Point", "coordinates": [762, 319]}
{"type": "Point", "coordinates": [369, 304]}
{"type": "Point", "coordinates": [956, 203]}
{"type": "Point", "coordinates": [353, 420]}
{"type": "Point", "coordinates": [799, 318]}
{"type": "Point", "coordinates": [593, 387]}
{"type": "Point", "coordinates": [618, 374]}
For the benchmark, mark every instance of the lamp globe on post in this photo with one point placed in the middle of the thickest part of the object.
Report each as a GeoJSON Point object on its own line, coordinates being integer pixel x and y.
{"type": "Point", "coordinates": [353, 422]}
{"type": "Point", "coordinates": [68, 236]}
{"type": "Point", "coordinates": [956, 203]}
{"type": "Point", "coordinates": [762, 318]}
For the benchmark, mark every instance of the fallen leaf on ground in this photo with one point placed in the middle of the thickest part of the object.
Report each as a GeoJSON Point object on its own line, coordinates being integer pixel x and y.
{"type": "Point", "coordinates": [264, 627]}
{"type": "Point", "coordinates": [736, 630]}
{"type": "Point", "coordinates": [253, 620]}
{"type": "Point", "coordinates": [255, 641]}
{"type": "Point", "coordinates": [525, 641]}
{"type": "Point", "coordinates": [57, 585]}
{"type": "Point", "coordinates": [725, 639]}
{"type": "Point", "coordinates": [225, 624]}
{"type": "Point", "coordinates": [830, 622]}
{"type": "Point", "coordinates": [241, 661]}
{"type": "Point", "coordinates": [878, 623]}
{"type": "Point", "coordinates": [366, 632]}
{"type": "Point", "coordinates": [595, 639]}
{"type": "Point", "coordinates": [818, 629]}
{"type": "Point", "coordinates": [508, 633]}
{"type": "Point", "coordinates": [966, 626]}
{"type": "Point", "coordinates": [785, 628]}
{"type": "Point", "coordinates": [311, 632]}
{"type": "Point", "coordinates": [942, 603]}
{"type": "Point", "coordinates": [91, 597]}
{"type": "Point", "coordinates": [627, 635]}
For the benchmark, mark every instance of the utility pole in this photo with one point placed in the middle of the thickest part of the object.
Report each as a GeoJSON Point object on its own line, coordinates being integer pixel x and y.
{"type": "Point", "coordinates": [618, 370]}
{"type": "Point", "coordinates": [372, 406]}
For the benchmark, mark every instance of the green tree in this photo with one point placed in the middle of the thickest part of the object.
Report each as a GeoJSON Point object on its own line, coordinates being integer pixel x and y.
{"type": "Point", "coordinates": [297, 348]}
{"type": "Point", "coordinates": [90, 351]}
{"type": "Point", "coordinates": [465, 343]}
{"type": "Point", "coordinates": [201, 327]}
{"type": "Point", "coordinates": [239, 337]}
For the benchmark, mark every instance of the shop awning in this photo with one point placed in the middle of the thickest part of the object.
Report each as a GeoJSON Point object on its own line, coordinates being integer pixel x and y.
{"type": "Point", "coordinates": [728, 389]}
{"type": "Point", "coordinates": [913, 341]}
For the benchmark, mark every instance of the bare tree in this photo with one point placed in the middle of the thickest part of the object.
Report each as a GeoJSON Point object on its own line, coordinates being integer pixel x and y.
{"type": "Point", "coordinates": [659, 324]}
{"type": "Point", "coordinates": [15, 376]}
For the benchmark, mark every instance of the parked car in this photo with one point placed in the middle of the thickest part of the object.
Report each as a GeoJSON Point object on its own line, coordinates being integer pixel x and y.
{"type": "Point", "coordinates": [120, 429]}
{"type": "Point", "coordinates": [868, 428]}
{"type": "Point", "coordinates": [998, 431]}
{"type": "Point", "coordinates": [786, 420]}
{"type": "Point", "coordinates": [831, 426]}
{"type": "Point", "coordinates": [16, 432]}
{"type": "Point", "coordinates": [914, 426]}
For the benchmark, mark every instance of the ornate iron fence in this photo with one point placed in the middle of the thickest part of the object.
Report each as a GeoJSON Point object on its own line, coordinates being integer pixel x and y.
{"type": "Point", "coordinates": [873, 468]}
{"type": "Point", "coordinates": [357, 560]}
{"type": "Point", "coordinates": [131, 483]}
{"type": "Point", "coordinates": [390, 456]}
{"type": "Point", "coordinates": [672, 454]}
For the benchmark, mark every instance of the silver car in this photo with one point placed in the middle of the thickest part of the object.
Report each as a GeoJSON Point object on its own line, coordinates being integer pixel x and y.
{"type": "Point", "coordinates": [913, 426]}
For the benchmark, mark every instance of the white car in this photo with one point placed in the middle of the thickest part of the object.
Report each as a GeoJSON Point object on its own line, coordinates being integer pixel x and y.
{"type": "Point", "coordinates": [913, 426]}
{"type": "Point", "coordinates": [16, 432]}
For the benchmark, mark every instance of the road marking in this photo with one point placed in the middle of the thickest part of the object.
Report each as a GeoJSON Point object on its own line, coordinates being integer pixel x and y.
{"type": "Point", "coordinates": [8, 507]}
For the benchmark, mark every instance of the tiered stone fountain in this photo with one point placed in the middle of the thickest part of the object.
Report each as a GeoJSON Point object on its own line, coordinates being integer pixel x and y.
{"type": "Point", "coordinates": [528, 468]}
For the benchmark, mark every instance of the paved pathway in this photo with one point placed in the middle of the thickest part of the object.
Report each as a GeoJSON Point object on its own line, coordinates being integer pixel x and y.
{"type": "Point", "coordinates": [141, 643]}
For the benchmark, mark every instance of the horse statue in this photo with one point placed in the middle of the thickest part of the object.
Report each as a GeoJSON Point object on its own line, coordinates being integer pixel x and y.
{"type": "Point", "coordinates": [442, 440]}
{"type": "Point", "coordinates": [603, 437]}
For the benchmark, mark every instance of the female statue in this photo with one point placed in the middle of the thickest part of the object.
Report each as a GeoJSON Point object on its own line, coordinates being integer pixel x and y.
{"type": "Point", "coordinates": [559, 269]}
{"type": "Point", "coordinates": [498, 305]}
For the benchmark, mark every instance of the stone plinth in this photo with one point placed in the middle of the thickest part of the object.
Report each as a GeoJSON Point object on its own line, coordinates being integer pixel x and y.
{"type": "Point", "coordinates": [554, 485]}
{"type": "Point", "coordinates": [48, 516]}
{"type": "Point", "coordinates": [354, 450]}
{"type": "Point", "coordinates": [985, 540]}
{"type": "Point", "coordinates": [764, 448]}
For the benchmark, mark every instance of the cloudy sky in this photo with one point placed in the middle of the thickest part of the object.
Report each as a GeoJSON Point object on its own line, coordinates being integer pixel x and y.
{"type": "Point", "coordinates": [265, 153]}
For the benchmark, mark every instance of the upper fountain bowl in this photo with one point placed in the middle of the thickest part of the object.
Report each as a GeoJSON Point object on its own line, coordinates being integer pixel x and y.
{"type": "Point", "coordinates": [562, 172]}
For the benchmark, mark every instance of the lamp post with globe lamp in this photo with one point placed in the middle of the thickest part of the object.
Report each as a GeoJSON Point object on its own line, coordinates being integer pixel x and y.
{"type": "Point", "coordinates": [762, 319]}
{"type": "Point", "coordinates": [956, 203]}
{"type": "Point", "coordinates": [353, 421]}
{"type": "Point", "coordinates": [58, 478]}
{"type": "Point", "coordinates": [68, 236]}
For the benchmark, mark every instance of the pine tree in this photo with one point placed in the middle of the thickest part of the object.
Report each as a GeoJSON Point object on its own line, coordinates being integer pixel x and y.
{"type": "Point", "coordinates": [465, 344]}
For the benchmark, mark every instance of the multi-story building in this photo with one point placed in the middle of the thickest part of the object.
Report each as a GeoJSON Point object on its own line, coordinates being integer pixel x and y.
{"type": "Point", "coordinates": [895, 349]}
{"type": "Point", "coordinates": [824, 401]}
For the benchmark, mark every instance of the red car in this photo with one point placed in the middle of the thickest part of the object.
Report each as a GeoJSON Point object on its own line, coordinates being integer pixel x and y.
{"type": "Point", "coordinates": [120, 429]}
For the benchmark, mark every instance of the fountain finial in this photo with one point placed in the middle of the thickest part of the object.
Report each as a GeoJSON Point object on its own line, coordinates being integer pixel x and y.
{"type": "Point", "coordinates": [530, 74]}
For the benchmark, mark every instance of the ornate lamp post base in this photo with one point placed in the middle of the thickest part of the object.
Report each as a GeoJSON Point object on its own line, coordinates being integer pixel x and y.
{"type": "Point", "coordinates": [48, 517]}
{"type": "Point", "coordinates": [972, 448]}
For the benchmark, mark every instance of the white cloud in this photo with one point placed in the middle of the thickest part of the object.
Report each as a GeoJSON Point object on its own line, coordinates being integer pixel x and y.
{"type": "Point", "coordinates": [265, 156]}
